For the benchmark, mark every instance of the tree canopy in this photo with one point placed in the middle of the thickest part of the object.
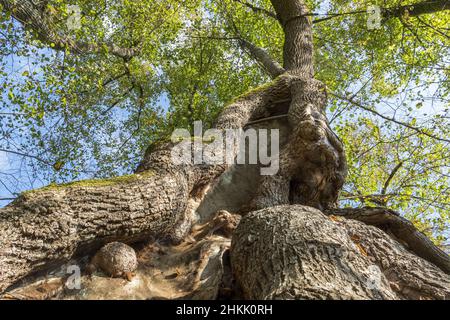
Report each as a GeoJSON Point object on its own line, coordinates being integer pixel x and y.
{"type": "Point", "coordinates": [86, 98]}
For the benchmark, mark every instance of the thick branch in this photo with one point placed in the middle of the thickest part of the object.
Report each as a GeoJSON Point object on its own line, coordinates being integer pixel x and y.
{"type": "Point", "coordinates": [258, 54]}
{"type": "Point", "coordinates": [412, 10]}
{"type": "Point", "coordinates": [44, 227]}
{"type": "Point", "coordinates": [42, 23]}
{"type": "Point", "coordinates": [417, 9]}
{"type": "Point", "coordinates": [391, 176]}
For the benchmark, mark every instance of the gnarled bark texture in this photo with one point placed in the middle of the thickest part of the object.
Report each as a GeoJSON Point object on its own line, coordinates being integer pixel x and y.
{"type": "Point", "coordinates": [49, 226]}
{"type": "Point", "coordinates": [400, 229]}
{"type": "Point", "coordinates": [287, 251]}
{"type": "Point", "coordinates": [45, 227]}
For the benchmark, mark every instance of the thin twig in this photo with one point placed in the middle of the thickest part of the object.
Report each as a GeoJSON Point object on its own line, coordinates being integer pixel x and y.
{"type": "Point", "coordinates": [404, 124]}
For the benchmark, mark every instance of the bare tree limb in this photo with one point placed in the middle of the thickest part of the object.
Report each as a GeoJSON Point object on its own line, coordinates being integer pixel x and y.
{"type": "Point", "coordinates": [375, 198]}
{"type": "Point", "coordinates": [417, 9]}
{"type": "Point", "coordinates": [118, 100]}
{"type": "Point", "coordinates": [412, 10]}
{"type": "Point", "coordinates": [434, 28]}
{"type": "Point", "coordinates": [270, 65]}
{"type": "Point", "coordinates": [27, 156]}
{"type": "Point", "coordinates": [334, 15]}
{"type": "Point", "coordinates": [157, 202]}
{"type": "Point", "coordinates": [391, 176]}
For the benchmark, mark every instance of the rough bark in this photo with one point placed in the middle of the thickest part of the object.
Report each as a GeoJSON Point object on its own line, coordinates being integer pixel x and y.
{"type": "Point", "coordinates": [49, 226]}
{"type": "Point", "coordinates": [400, 229]}
{"type": "Point", "coordinates": [272, 67]}
{"type": "Point", "coordinates": [278, 252]}
{"type": "Point", "coordinates": [297, 252]}
{"type": "Point", "coordinates": [45, 227]}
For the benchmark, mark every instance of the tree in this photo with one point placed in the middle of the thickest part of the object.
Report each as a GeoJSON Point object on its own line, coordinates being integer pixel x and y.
{"type": "Point", "coordinates": [127, 57]}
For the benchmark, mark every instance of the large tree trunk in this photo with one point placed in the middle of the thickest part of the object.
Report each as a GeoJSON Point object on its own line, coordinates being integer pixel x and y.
{"type": "Point", "coordinates": [297, 252]}
{"type": "Point", "coordinates": [47, 226]}
{"type": "Point", "coordinates": [312, 165]}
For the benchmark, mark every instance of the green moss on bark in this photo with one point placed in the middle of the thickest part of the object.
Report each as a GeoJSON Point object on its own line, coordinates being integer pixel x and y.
{"type": "Point", "coordinates": [93, 182]}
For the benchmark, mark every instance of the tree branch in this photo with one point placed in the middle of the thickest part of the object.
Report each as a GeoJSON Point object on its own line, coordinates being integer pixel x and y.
{"type": "Point", "coordinates": [434, 28]}
{"type": "Point", "coordinates": [270, 65]}
{"type": "Point", "coordinates": [27, 156]}
{"type": "Point", "coordinates": [258, 9]}
{"type": "Point", "coordinates": [391, 176]}
{"type": "Point", "coordinates": [375, 198]}
{"type": "Point", "coordinates": [412, 10]}
{"type": "Point", "coordinates": [417, 9]}
{"type": "Point", "coordinates": [334, 15]}
{"type": "Point", "coordinates": [263, 58]}
{"type": "Point", "coordinates": [118, 100]}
